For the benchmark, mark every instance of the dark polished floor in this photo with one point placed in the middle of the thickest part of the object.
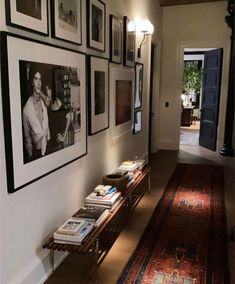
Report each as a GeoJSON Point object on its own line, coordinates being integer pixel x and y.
{"type": "Point", "coordinates": [77, 269]}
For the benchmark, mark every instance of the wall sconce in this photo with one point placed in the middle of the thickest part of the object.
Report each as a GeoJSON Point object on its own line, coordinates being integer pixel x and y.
{"type": "Point", "coordinates": [142, 27]}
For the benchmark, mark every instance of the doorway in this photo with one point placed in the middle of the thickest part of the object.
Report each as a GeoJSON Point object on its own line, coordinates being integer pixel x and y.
{"type": "Point", "coordinates": [200, 97]}
{"type": "Point", "coordinates": [191, 97]}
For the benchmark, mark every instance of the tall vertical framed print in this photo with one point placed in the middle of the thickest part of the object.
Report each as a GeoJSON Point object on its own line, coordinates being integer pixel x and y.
{"type": "Point", "coordinates": [98, 97]}
{"type": "Point", "coordinates": [121, 100]}
{"type": "Point", "coordinates": [128, 44]}
{"type": "Point", "coordinates": [67, 20]}
{"type": "Point", "coordinates": [137, 121]}
{"type": "Point", "coordinates": [96, 24]}
{"type": "Point", "coordinates": [28, 15]}
{"type": "Point", "coordinates": [139, 72]}
{"type": "Point", "coordinates": [44, 108]}
{"type": "Point", "coordinates": [115, 40]}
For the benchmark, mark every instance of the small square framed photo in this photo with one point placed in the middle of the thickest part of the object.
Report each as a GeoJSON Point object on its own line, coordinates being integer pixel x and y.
{"type": "Point", "coordinates": [28, 15]}
{"type": "Point", "coordinates": [96, 17]}
{"type": "Point", "coordinates": [128, 44]}
{"type": "Point", "coordinates": [115, 40]}
{"type": "Point", "coordinates": [137, 121]}
{"type": "Point", "coordinates": [98, 86]}
{"type": "Point", "coordinates": [139, 72]}
{"type": "Point", "coordinates": [66, 20]}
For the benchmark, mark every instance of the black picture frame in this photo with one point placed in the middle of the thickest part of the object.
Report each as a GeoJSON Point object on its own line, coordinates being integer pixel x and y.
{"type": "Point", "coordinates": [115, 39]}
{"type": "Point", "coordinates": [122, 86]}
{"type": "Point", "coordinates": [139, 75]}
{"type": "Point", "coordinates": [66, 20]}
{"type": "Point", "coordinates": [137, 121]}
{"type": "Point", "coordinates": [98, 94]}
{"type": "Point", "coordinates": [33, 17]}
{"type": "Point", "coordinates": [128, 44]}
{"type": "Point", "coordinates": [63, 101]}
{"type": "Point", "coordinates": [96, 24]}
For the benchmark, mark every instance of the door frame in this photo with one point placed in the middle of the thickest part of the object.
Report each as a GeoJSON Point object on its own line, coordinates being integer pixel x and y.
{"type": "Point", "coordinates": [181, 46]}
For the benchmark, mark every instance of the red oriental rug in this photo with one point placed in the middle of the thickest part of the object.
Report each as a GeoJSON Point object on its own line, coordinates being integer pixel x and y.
{"type": "Point", "coordinates": [185, 240]}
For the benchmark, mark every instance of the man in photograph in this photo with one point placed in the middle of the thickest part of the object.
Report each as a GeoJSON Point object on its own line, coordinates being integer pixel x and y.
{"type": "Point", "coordinates": [35, 120]}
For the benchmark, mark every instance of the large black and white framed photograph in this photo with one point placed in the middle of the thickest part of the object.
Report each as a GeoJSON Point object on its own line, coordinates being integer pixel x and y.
{"type": "Point", "coordinates": [139, 73]}
{"type": "Point", "coordinates": [137, 121]}
{"type": "Point", "coordinates": [128, 43]}
{"type": "Point", "coordinates": [96, 17]}
{"type": "Point", "coordinates": [30, 15]}
{"type": "Point", "coordinates": [121, 100]}
{"type": "Point", "coordinates": [98, 98]}
{"type": "Point", "coordinates": [67, 20]}
{"type": "Point", "coordinates": [44, 108]}
{"type": "Point", "coordinates": [115, 40]}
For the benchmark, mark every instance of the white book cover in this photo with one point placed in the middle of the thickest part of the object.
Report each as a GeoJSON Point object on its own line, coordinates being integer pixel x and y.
{"type": "Point", "coordinates": [70, 226]}
{"type": "Point", "coordinates": [108, 199]}
{"type": "Point", "coordinates": [78, 237]}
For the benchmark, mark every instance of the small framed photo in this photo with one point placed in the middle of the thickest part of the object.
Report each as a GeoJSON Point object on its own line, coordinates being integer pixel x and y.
{"type": "Point", "coordinates": [44, 107]}
{"type": "Point", "coordinates": [121, 100]}
{"type": "Point", "coordinates": [115, 40]}
{"type": "Point", "coordinates": [139, 72]}
{"type": "Point", "coordinates": [67, 20]}
{"type": "Point", "coordinates": [137, 121]}
{"type": "Point", "coordinates": [96, 17]}
{"type": "Point", "coordinates": [28, 15]}
{"type": "Point", "coordinates": [128, 44]}
{"type": "Point", "coordinates": [98, 98]}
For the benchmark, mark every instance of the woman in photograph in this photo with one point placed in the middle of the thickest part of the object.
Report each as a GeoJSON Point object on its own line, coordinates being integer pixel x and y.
{"type": "Point", "coordinates": [35, 120]}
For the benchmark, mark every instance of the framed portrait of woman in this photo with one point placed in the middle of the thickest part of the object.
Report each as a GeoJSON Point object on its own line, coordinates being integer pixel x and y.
{"type": "Point", "coordinates": [44, 108]}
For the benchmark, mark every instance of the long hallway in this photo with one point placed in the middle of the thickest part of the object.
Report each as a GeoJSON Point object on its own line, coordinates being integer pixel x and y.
{"type": "Point", "coordinates": [75, 270]}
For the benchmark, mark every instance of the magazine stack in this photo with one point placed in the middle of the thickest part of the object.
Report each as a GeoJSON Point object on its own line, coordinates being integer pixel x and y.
{"type": "Point", "coordinates": [132, 169]}
{"type": "Point", "coordinates": [73, 231]}
{"type": "Point", "coordinates": [105, 196]}
{"type": "Point", "coordinates": [95, 215]}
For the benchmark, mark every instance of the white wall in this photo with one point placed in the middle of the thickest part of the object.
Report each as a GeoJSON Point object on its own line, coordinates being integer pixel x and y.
{"type": "Point", "coordinates": [31, 214]}
{"type": "Point", "coordinates": [189, 26]}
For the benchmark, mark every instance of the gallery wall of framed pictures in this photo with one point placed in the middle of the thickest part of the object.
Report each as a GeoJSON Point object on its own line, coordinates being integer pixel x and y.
{"type": "Point", "coordinates": [114, 98]}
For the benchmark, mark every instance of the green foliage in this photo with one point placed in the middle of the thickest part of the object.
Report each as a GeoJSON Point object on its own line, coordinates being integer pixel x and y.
{"type": "Point", "coordinates": [192, 79]}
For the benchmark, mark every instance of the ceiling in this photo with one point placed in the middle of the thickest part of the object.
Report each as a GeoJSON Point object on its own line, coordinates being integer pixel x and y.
{"type": "Point", "coordinates": [181, 2]}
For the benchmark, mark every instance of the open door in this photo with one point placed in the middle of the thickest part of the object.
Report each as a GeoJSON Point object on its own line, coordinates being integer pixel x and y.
{"type": "Point", "coordinates": [210, 98]}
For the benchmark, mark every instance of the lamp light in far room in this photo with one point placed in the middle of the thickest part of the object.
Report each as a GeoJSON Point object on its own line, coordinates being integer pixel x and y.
{"type": "Point", "coordinates": [143, 27]}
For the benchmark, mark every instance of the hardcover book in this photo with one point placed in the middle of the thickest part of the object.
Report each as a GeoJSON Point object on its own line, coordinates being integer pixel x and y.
{"type": "Point", "coordinates": [78, 238]}
{"type": "Point", "coordinates": [70, 227]}
{"type": "Point", "coordinates": [107, 199]}
{"type": "Point", "coordinates": [91, 213]}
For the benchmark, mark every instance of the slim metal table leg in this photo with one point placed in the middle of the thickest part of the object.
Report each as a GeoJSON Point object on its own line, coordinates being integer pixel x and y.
{"type": "Point", "coordinates": [149, 183]}
{"type": "Point", "coordinates": [51, 255]}
{"type": "Point", "coordinates": [96, 250]}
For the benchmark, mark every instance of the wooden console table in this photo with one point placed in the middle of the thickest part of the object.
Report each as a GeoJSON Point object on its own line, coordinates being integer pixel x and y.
{"type": "Point", "coordinates": [101, 238]}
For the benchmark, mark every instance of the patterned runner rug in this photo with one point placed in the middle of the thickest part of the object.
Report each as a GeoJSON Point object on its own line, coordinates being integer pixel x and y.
{"type": "Point", "coordinates": [185, 240]}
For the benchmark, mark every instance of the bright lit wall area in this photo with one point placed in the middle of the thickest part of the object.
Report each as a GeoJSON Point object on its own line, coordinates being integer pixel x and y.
{"type": "Point", "coordinates": [189, 26]}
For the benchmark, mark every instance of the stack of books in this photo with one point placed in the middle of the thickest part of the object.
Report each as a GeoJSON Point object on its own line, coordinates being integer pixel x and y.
{"type": "Point", "coordinates": [73, 231]}
{"type": "Point", "coordinates": [93, 214]}
{"type": "Point", "coordinates": [109, 201]}
{"type": "Point", "coordinates": [132, 169]}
